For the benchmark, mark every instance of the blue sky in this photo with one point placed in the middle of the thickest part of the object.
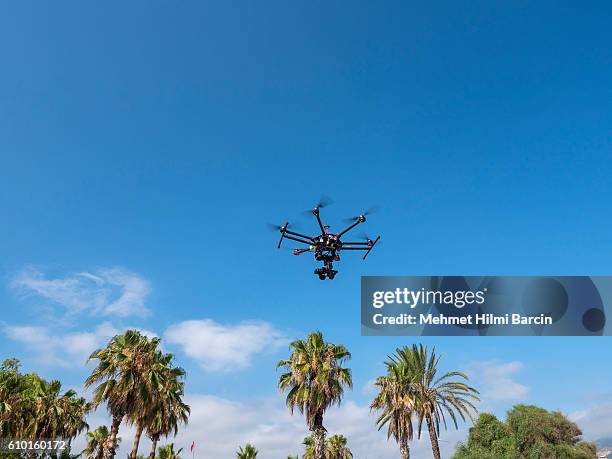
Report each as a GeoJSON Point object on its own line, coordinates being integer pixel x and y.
{"type": "Point", "coordinates": [145, 145]}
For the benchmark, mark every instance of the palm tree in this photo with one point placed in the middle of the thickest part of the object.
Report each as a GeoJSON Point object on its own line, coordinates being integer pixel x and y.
{"type": "Point", "coordinates": [161, 382]}
{"type": "Point", "coordinates": [122, 383]}
{"type": "Point", "coordinates": [49, 409]}
{"type": "Point", "coordinates": [14, 413]}
{"type": "Point", "coordinates": [57, 414]}
{"type": "Point", "coordinates": [167, 452]}
{"type": "Point", "coordinates": [435, 396]}
{"type": "Point", "coordinates": [96, 442]}
{"type": "Point", "coordinates": [170, 409]}
{"type": "Point", "coordinates": [309, 452]}
{"type": "Point", "coordinates": [18, 408]}
{"type": "Point", "coordinates": [337, 449]}
{"type": "Point", "coordinates": [76, 410]}
{"type": "Point", "coordinates": [315, 380]}
{"type": "Point", "coordinates": [395, 402]}
{"type": "Point", "coordinates": [32, 407]}
{"type": "Point", "coordinates": [248, 452]}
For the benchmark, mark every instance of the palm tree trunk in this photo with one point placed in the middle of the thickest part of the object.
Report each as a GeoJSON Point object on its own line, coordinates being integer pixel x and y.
{"type": "Point", "coordinates": [433, 435]}
{"type": "Point", "coordinates": [404, 448]}
{"type": "Point", "coordinates": [154, 440]}
{"type": "Point", "coordinates": [319, 442]}
{"type": "Point", "coordinates": [139, 429]}
{"type": "Point", "coordinates": [109, 450]}
{"type": "Point", "coordinates": [318, 435]}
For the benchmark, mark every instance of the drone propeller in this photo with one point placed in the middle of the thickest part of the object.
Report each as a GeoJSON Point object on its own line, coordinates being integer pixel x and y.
{"type": "Point", "coordinates": [364, 237]}
{"type": "Point", "coordinates": [324, 201]}
{"type": "Point", "coordinates": [273, 227]}
{"type": "Point", "coordinates": [370, 211]}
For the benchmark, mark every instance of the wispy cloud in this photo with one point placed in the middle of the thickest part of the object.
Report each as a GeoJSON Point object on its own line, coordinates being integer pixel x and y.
{"type": "Point", "coordinates": [498, 379]}
{"type": "Point", "coordinates": [51, 347]}
{"type": "Point", "coordinates": [65, 349]}
{"type": "Point", "coordinates": [108, 291]}
{"type": "Point", "coordinates": [224, 347]}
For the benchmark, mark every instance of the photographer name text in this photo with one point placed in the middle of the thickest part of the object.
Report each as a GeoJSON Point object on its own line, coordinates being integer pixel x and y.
{"type": "Point", "coordinates": [471, 319]}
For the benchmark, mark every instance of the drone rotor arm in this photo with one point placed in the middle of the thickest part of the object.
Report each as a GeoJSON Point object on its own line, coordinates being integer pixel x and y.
{"type": "Point", "coordinates": [287, 233]}
{"type": "Point", "coordinates": [316, 214]}
{"type": "Point", "coordinates": [293, 233]}
{"type": "Point", "coordinates": [298, 240]}
{"type": "Point", "coordinates": [367, 246]}
{"type": "Point", "coordinates": [353, 225]}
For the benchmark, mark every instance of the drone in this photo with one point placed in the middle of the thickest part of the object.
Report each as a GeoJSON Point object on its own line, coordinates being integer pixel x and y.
{"type": "Point", "coordinates": [327, 245]}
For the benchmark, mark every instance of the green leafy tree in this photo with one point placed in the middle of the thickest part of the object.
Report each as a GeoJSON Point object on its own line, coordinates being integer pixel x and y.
{"type": "Point", "coordinates": [488, 439]}
{"type": "Point", "coordinates": [529, 432]}
{"type": "Point", "coordinates": [246, 452]}
{"type": "Point", "coordinates": [315, 380]}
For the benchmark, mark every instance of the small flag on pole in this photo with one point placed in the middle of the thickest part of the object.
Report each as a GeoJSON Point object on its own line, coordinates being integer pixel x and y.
{"type": "Point", "coordinates": [192, 446]}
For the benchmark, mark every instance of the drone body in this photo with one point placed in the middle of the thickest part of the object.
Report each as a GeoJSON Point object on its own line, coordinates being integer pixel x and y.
{"type": "Point", "coordinates": [326, 246]}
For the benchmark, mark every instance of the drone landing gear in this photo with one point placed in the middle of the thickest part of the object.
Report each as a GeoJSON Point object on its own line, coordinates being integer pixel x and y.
{"type": "Point", "coordinates": [326, 273]}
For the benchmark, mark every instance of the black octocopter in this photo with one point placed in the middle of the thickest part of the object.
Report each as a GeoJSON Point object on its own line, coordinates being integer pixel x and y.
{"type": "Point", "coordinates": [327, 245]}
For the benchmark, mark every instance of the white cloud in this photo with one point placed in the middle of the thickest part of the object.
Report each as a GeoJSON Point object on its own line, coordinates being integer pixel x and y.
{"type": "Point", "coordinates": [65, 349]}
{"type": "Point", "coordinates": [498, 379]}
{"type": "Point", "coordinates": [224, 347]}
{"type": "Point", "coordinates": [219, 426]}
{"type": "Point", "coordinates": [369, 388]}
{"type": "Point", "coordinates": [106, 291]}
{"type": "Point", "coordinates": [595, 422]}
{"type": "Point", "coordinates": [52, 347]}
